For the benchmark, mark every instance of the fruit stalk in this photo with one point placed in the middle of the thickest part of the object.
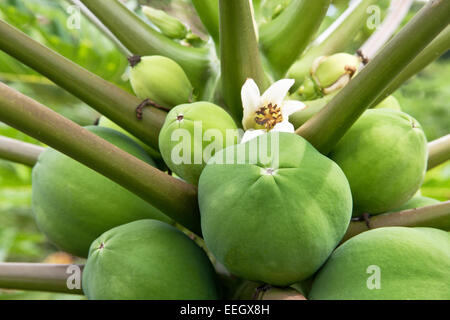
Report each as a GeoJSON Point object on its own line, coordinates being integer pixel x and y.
{"type": "Point", "coordinates": [172, 196]}
{"type": "Point", "coordinates": [37, 276]}
{"type": "Point", "coordinates": [19, 151]}
{"type": "Point", "coordinates": [143, 40]}
{"type": "Point", "coordinates": [111, 101]}
{"type": "Point", "coordinates": [208, 12]}
{"type": "Point", "coordinates": [240, 57]}
{"type": "Point", "coordinates": [327, 127]}
{"type": "Point", "coordinates": [434, 216]}
{"type": "Point", "coordinates": [438, 151]}
{"type": "Point", "coordinates": [285, 38]}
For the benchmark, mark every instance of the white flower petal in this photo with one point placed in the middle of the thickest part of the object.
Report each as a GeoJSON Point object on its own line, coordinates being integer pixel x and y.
{"type": "Point", "coordinates": [251, 134]}
{"type": "Point", "coordinates": [284, 126]}
{"type": "Point", "coordinates": [277, 92]}
{"type": "Point", "coordinates": [250, 96]}
{"type": "Point", "coordinates": [290, 107]}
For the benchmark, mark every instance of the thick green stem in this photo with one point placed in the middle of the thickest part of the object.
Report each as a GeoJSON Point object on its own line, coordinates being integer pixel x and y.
{"type": "Point", "coordinates": [434, 50]}
{"type": "Point", "coordinates": [438, 151]}
{"type": "Point", "coordinates": [40, 277]}
{"type": "Point", "coordinates": [327, 127]}
{"type": "Point", "coordinates": [19, 151]}
{"type": "Point", "coordinates": [208, 11]}
{"type": "Point", "coordinates": [115, 103]}
{"type": "Point", "coordinates": [141, 39]}
{"type": "Point", "coordinates": [334, 39]}
{"type": "Point", "coordinates": [285, 38]}
{"type": "Point", "coordinates": [172, 196]}
{"type": "Point", "coordinates": [434, 216]}
{"type": "Point", "coordinates": [240, 57]}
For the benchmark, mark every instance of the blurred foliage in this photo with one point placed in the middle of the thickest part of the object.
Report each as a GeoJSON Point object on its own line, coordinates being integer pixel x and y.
{"type": "Point", "coordinates": [425, 97]}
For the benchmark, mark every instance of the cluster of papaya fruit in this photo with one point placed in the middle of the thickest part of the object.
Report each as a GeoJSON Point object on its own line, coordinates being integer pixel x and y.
{"type": "Point", "coordinates": [270, 215]}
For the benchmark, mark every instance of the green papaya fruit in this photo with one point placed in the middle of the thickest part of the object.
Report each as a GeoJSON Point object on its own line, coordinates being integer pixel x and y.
{"type": "Point", "coordinates": [275, 211]}
{"type": "Point", "coordinates": [393, 263]}
{"type": "Point", "coordinates": [191, 134]}
{"type": "Point", "coordinates": [161, 80]}
{"type": "Point", "coordinates": [154, 154]}
{"type": "Point", "coordinates": [390, 102]}
{"type": "Point", "coordinates": [384, 156]}
{"type": "Point", "coordinates": [74, 204]}
{"type": "Point", "coordinates": [148, 260]}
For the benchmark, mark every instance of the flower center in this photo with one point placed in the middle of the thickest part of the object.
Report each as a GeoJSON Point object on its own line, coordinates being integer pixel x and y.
{"type": "Point", "coordinates": [268, 116]}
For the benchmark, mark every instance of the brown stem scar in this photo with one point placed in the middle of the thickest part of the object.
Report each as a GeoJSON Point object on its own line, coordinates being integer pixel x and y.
{"type": "Point", "coordinates": [261, 289]}
{"type": "Point", "coordinates": [134, 60]}
{"type": "Point", "coordinates": [365, 60]}
{"type": "Point", "coordinates": [366, 217]}
{"type": "Point", "coordinates": [145, 103]}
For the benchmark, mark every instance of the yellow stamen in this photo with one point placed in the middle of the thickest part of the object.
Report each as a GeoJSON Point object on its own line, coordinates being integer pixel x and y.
{"type": "Point", "coordinates": [268, 116]}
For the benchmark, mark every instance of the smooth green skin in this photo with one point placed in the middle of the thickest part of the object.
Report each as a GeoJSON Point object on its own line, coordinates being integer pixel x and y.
{"type": "Point", "coordinates": [155, 155]}
{"type": "Point", "coordinates": [414, 264]}
{"type": "Point", "coordinates": [161, 80]}
{"type": "Point", "coordinates": [390, 102]}
{"type": "Point", "coordinates": [384, 156]}
{"type": "Point", "coordinates": [417, 202]}
{"type": "Point", "coordinates": [278, 229]}
{"type": "Point", "coordinates": [148, 260]}
{"type": "Point", "coordinates": [211, 117]}
{"type": "Point", "coordinates": [333, 67]}
{"type": "Point", "coordinates": [312, 108]}
{"type": "Point", "coordinates": [73, 204]}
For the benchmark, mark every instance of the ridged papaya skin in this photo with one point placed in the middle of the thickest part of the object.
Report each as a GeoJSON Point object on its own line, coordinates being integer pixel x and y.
{"type": "Point", "coordinates": [274, 228]}
{"type": "Point", "coordinates": [185, 118]}
{"type": "Point", "coordinates": [413, 263]}
{"type": "Point", "coordinates": [148, 260]}
{"type": "Point", "coordinates": [73, 204]}
{"type": "Point", "coordinates": [384, 156]}
{"type": "Point", "coordinates": [161, 80]}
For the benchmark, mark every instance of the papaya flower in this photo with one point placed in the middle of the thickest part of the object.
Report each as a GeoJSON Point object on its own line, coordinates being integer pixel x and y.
{"type": "Point", "coordinates": [269, 112]}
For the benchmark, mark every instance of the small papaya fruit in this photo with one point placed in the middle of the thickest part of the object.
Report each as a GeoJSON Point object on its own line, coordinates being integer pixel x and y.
{"type": "Point", "coordinates": [191, 134]}
{"type": "Point", "coordinates": [329, 74]}
{"type": "Point", "coordinates": [274, 212]}
{"type": "Point", "coordinates": [393, 263]}
{"type": "Point", "coordinates": [417, 202]}
{"type": "Point", "coordinates": [161, 80]}
{"type": "Point", "coordinates": [390, 102]}
{"type": "Point", "coordinates": [74, 204]}
{"type": "Point", "coordinates": [148, 260]}
{"type": "Point", "coordinates": [384, 156]}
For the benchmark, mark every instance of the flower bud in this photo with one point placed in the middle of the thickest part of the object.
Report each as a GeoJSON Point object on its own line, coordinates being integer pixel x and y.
{"type": "Point", "coordinates": [329, 74]}
{"type": "Point", "coordinates": [161, 80]}
{"type": "Point", "coordinates": [168, 25]}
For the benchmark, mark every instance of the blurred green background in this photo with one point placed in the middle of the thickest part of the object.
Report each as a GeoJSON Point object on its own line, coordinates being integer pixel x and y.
{"type": "Point", "coordinates": [425, 97]}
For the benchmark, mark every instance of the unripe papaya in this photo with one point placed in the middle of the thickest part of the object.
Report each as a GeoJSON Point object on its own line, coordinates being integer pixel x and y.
{"type": "Point", "coordinates": [74, 204]}
{"type": "Point", "coordinates": [394, 263]}
{"type": "Point", "coordinates": [329, 74]}
{"type": "Point", "coordinates": [384, 156]}
{"type": "Point", "coordinates": [161, 80]}
{"type": "Point", "coordinates": [417, 202]}
{"type": "Point", "coordinates": [192, 134]}
{"type": "Point", "coordinates": [275, 211]}
{"type": "Point", "coordinates": [390, 102]}
{"type": "Point", "coordinates": [148, 260]}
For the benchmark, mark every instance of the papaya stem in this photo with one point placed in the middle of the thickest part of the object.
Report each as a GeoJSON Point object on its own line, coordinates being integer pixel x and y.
{"type": "Point", "coordinates": [116, 104]}
{"type": "Point", "coordinates": [208, 12]}
{"type": "Point", "coordinates": [240, 58]}
{"type": "Point", "coordinates": [19, 151]}
{"type": "Point", "coordinates": [434, 216]}
{"type": "Point", "coordinates": [177, 199]}
{"type": "Point", "coordinates": [284, 38]}
{"type": "Point", "coordinates": [39, 277]}
{"type": "Point", "coordinates": [327, 127]}
{"type": "Point", "coordinates": [143, 40]}
{"type": "Point", "coordinates": [438, 151]}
